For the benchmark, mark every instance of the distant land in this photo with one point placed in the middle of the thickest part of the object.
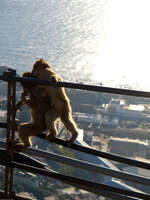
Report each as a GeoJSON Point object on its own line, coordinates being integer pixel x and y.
{"type": "Point", "coordinates": [3, 69]}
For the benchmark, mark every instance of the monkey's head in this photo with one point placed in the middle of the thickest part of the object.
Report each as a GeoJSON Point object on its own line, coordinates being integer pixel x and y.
{"type": "Point", "coordinates": [38, 66]}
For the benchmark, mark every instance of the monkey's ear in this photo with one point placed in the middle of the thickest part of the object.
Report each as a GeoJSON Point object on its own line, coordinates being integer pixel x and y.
{"type": "Point", "coordinates": [53, 79]}
{"type": "Point", "coordinates": [42, 61]}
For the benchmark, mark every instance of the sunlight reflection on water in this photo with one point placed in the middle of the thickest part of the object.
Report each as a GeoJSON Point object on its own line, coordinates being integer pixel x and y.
{"type": "Point", "coordinates": [84, 40]}
{"type": "Point", "coordinates": [69, 34]}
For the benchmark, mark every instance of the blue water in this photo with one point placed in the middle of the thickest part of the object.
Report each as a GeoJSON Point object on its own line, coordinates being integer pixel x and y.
{"type": "Point", "coordinates": [67, 33]}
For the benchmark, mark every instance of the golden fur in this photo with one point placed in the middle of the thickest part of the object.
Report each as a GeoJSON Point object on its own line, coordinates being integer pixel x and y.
{"type": "Point", "coordinates": [61, 107]}
{"type": "Point", "coordinates": [39, 104]}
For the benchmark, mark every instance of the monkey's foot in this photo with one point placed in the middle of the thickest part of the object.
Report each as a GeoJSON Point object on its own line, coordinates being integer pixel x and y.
{"type": "Point", "coordinates": [70, 141]}
{"type": "Point", "coordinates": [20, 147]}
{"type": "Point", "coordinates": [50, 138]}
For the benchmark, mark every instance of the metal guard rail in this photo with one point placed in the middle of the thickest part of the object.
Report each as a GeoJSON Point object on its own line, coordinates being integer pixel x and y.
{"type": "Point", "coordinates": [112, 192]}
{"type": "Point", "coordinates": [85, 165]}
{"type": "Point", "coordinates": [97, 188]}
{"type": "Point", "coordinates": [93, 88]}
{"type": "Point", "coordinates": [95, 152]}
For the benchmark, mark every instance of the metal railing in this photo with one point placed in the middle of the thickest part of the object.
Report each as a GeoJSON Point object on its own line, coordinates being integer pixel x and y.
{"type": "Point", "coordinates": [112, 192]}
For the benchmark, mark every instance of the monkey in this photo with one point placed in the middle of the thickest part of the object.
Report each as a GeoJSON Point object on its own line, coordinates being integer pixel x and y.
{"type": "Point", "coordinates": [39, 104]}
{"type": "Point", "coordinates": [61, 108]}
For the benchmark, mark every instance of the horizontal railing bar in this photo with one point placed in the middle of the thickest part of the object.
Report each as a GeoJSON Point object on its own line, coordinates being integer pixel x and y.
{"type": "Point", "coordinates": [79, 86]}
{"type": "Point", "coordinates": [101, 154]}
{"type": "Point", "coordinates": [88, 166]}
{"type": "Point", "coordinates": [81, 183]}
{"type": "Point", "coordinates": [95, 152]}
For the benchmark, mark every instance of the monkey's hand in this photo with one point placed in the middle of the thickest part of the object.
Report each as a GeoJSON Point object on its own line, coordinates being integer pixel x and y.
{"type": "Point", "coordinates": [18, 106]}
{"type": "Point", "coordinates": [24, 95]}
{"type": "Point", "coordinates": [19, 147]}
{"type": "Point", "coordinates": [55, 79]}
{"type": "Point", "coordinates": [24, 98]}
{"type": "Point", "coordinates": [50, 138]}
{"type": "Point", "coordinates": [72, 139]}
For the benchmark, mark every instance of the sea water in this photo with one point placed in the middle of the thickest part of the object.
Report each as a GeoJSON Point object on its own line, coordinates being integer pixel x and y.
{"type": "Point", "coordinates": [68, 34]}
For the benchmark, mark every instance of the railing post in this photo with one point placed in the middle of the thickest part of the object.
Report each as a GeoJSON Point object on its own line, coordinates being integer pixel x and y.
{"type": "Point", "coordinates": [11, 98]}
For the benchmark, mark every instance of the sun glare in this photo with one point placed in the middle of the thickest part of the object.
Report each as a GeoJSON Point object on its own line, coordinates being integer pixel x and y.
{"type": "Point", "coordinates": [127, 54]}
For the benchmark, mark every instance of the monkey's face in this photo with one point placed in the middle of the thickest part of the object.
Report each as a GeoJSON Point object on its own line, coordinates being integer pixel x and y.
{"type": "Point", "coordinates": [36, 72]}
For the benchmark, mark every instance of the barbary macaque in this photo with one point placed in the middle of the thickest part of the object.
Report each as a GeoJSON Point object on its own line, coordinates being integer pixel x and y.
{"type": "Point", "coordinates": [61, 107]}
{"type": "Point", "coordinates": [39, 104]}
